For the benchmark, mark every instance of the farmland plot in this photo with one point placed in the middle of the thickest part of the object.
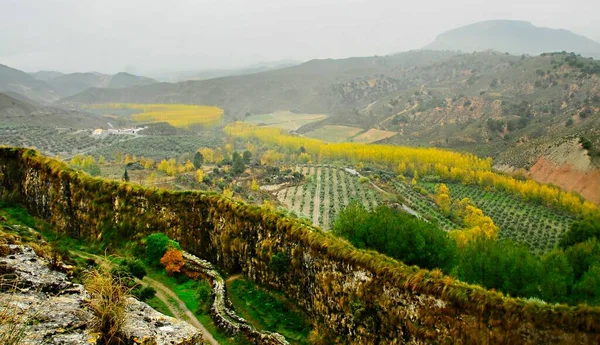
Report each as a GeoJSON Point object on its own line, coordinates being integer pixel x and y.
{"type": "Point", "coordinates": [538, 226]}
{"type": "Point", "coordinates": [325, 193]}
{"type": "Point", "coordinates": [423, 206]}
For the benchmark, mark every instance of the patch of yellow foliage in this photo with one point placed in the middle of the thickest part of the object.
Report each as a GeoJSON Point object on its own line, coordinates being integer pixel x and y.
{"type": "Point", "coordinates": [465, 168]}
{"type": "Point", "coordinates": [177, 115]}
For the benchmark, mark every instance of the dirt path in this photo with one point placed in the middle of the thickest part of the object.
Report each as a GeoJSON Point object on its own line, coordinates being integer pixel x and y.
{"type": "Point", "coordinates": [177, 310]}
{"type": "Point", "coordinates": [317, 198]}
{"type": "Point", "coordinates": [232, 278]}
{"type": "Point", "coordinates": [180, 310]}
{"type": "Point", "coordinates": [380, 124]}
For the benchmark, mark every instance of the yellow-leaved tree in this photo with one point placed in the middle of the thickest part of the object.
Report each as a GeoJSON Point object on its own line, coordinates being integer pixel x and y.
{"type": "Point", "coordinates": [442, 198]}
{"type": "Point", "coordinates": [476, 225]}
{"type": "Point", "coordinates": [199, 175]}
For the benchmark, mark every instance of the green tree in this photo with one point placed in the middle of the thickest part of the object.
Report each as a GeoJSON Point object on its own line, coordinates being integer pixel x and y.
{"type": "Point", "coordinates": [198, 160]}
{"type": "Point", "coordinates": [588, 288]}
{"type": "Point", "coordinates": [557, 281]}
{"type": "Point", "coordinates": [156, 247]}
{"type": "Point", "coordinates": [247, 155]}
{"type": "Point", "coordinates": [582, 256]}
{"type": "Point", "coordinates": [585, 143]}
{"type": "Point", "coordinates": [501, 265]}
{"type": "Point", "coordinates": [238, 165]}
{"type": "Point", "coordinates": [580, 231]}
{"type": "Point", "coordinates": [125, 176]}
{"type": "Point", "coordinates": [397, 234]}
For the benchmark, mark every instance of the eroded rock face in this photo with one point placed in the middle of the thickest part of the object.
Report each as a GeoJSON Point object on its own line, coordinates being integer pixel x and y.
{"type": "Point", "coordinates": [48, 308]}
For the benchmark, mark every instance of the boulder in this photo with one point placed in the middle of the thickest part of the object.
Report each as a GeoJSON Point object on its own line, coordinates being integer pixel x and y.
{"type": "Point", "coordinates": [43, 306]}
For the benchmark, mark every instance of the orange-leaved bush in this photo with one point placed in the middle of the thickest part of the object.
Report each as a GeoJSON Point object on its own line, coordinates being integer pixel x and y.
{"type": "Point", "coordinates": [172, 260]}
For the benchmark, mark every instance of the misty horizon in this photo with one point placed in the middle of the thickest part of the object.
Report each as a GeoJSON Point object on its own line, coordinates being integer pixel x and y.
{"type": "Point", "coordinates": [156, 37]}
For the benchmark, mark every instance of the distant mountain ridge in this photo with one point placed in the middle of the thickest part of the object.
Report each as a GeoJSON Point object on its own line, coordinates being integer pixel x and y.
{"type": "Point", "coordinates": [15, 111]}
{"type": "Point", "coordinates": [219, 73]}
{"type": "Point", "coordinates": [324, 85]}
{"type": "Point", "coordinates": [50, 86]}
{"type": "Point", "coordinates": [514, 37]}
{"type": "Point", "coordinates": [73, 83]}
{"type": "Point", "coordinates": [15, 80]}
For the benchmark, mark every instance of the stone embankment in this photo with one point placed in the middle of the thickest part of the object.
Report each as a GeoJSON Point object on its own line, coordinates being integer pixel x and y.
{"type": "Point", "coordinates": [221, 310]}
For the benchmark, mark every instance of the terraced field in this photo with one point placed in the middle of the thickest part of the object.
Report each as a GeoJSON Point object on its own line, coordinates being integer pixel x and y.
{"type": "Point", "coordinates": [325, 193]}
{"type": "Point", "coordinates": [536, 225]}
{"type": "Point", "coordinates": [373, 135]}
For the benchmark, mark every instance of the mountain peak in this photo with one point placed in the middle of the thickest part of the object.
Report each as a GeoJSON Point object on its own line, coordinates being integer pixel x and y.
{"type": "Point", "coordinates": [515, 37]}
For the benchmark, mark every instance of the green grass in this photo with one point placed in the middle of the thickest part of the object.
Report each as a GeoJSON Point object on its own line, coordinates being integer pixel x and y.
{"type": "Point", "coordinates": [16, 214]}
{"type": "Point", "coordinates": [159, 306]}
{"type": "Point", "coordinates": [186, 291]}
{"type": "Point", "coordinates": [268, 310]}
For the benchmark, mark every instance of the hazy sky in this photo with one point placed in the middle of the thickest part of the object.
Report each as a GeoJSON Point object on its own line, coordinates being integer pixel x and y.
{"type": "Point", "coordinates": [149, 36]}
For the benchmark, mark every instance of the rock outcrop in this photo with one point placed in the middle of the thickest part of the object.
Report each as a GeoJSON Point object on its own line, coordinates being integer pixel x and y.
{"type": "Point", "coordinates": [47, 308]}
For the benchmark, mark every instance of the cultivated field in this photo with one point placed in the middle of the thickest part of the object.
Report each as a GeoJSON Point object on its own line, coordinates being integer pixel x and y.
{"type": "Point", "coordinates": [284, 119]}
{"type": "Point", "coordinates": [325, 193]}
{"type": "Point", "coordinates": [536, 225]}
{"type": "Point", "coordinates": [334, 133]}
{"type": "Point", "coordinates": [56, 141]}
{"type": "Point", "coordinates": [373, 135]}
{"type": "Point", "coordinates": [423, 206]}
{"type": "Point", "coordinates": [177, 115]}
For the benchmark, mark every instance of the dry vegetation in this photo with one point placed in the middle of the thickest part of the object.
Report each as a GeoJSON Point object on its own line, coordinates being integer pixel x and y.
{"type": "Point", "coordinates": [108, 301]}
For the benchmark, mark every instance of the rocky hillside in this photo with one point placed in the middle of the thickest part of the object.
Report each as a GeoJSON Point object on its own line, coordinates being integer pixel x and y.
{"type": "Point", "coordinates": [40, 305]}
{"type": "Point", "coordinates": [333, 86]}
{"type": "Point", "coordinates": [515, 37]}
